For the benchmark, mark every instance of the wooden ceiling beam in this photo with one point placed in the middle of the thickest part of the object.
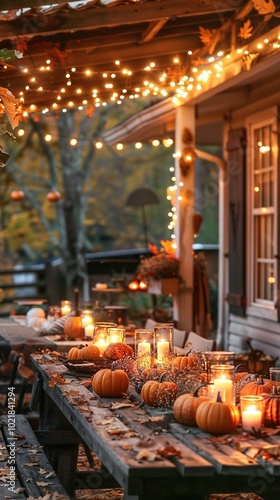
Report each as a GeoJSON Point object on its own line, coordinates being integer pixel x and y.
{"type": "Point", "coordinates": [95, 18]}
{"type": "Point", "coordinates": [152, 30]}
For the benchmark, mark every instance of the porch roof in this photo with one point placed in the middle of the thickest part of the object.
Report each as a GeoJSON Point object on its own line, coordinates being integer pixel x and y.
{"type": "Point", "coordinates": [167, 44]}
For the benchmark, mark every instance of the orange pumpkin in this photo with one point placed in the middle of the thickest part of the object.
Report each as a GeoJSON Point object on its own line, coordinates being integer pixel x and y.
{"type": "Point", "coordinates": [118, 350]}
{"type": "Point", "coordinates": [110, 384]}
{"type": "Point", "coordinates": [217, 417]}
{"type": "Point", "coordinates": [75, 353]}
{"type": "Point", "coordinates": [185, 407]}
{"type": "Point", "coordinates": [90, 352]}
{"type": "Point", "coordinates": [272, 408]}
{"type": "Point", "coordinates": [73, 328]}
{"type": "Point", "coordinates": [257, 387]}
{"type": "Point", "coordinates": [158, 393]}
{"type": "Point", "coordinates": [185, 361]}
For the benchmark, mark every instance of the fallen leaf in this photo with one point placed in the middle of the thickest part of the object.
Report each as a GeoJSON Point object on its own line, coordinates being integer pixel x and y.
{"type": "Point", "coordinates": [117, 406]}
{"type": "Point", "coordinates": [148, 455]}
{"type": "Point", "coordinates": [169, 451]}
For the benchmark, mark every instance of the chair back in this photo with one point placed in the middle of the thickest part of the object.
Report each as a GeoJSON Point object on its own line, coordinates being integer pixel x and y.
{"type": "Point", "coordinates": [199, 343]}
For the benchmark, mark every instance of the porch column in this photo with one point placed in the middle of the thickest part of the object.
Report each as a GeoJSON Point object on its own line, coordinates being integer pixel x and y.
{"type": "Point", "coordinates": [184, 235]}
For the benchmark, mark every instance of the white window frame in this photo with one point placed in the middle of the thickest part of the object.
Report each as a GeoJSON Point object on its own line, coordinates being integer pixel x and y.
{"type": "Point", "coordinates": [262, 308]}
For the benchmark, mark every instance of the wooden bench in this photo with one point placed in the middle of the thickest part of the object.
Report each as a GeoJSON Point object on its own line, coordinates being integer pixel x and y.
{"type": "Point", "coordinates": [25, 470]}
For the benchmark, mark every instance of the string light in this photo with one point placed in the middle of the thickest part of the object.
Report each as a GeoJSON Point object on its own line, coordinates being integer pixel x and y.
{"type": "Point", "coordinates": [178, 80]}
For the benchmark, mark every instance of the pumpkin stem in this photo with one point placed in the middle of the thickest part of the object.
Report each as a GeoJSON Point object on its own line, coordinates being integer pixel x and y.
{"type": "Point", "coordinates": [260, 379]}
{"type": "Point", "coordinates": [161, 378]}
{"type": "Point", "coordinates": [219, 397]}
{"type": "Point", "coordinates": [240, 366]}
{"type": "Point", "coordinates": [195, 394]}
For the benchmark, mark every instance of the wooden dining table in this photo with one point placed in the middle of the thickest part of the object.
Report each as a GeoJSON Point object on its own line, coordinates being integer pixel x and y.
{"type": "Point", "coordinates": [143, 449]}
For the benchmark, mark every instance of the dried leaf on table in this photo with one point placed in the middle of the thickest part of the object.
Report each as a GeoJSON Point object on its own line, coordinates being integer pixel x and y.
{"type": "Point", "coordinates": [57, 378]}
{"type": "Point", "coordinates": [31, 464]}
{"type": "Point", "coordinates": [42, 471]}
{"type": "Point", "coordinates": [85, 408]}
{"type": "Point", "coordinates": [51, 496]}
{"type": "Point", "coordinates": [72, 392]}
{"type": "Point", "coordinates": [87, 383]}
{"type": "Point", "coordinates": [148, 455]}
{"type": "Point", "coordinates": [117, 406]}
{"type": "Point", "coordinates": [130, 434]}
{"type": "Point", "coordinates": [127, 447]}
{"type": "Point", "coordinates": [106, 421]}
{"type": "Point", "coordinates": [42, 483]}
{"type": "Point", "coordinates": [117, 427]}
{"type": "Point", "coordinates": [19, 436]}
{"type": "Point", "coordinates": [169, 451]}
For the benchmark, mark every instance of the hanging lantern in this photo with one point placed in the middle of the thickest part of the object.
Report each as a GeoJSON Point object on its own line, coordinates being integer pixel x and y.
{"type": "Point", "coordinates": [53, 196]}
{"type": "Point", "coordinates": [187, 160]}
{"type": "Point", "coordinates": [17, 195]}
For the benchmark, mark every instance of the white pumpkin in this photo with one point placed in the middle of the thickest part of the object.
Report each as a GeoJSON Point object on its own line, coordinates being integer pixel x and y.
{"type": "Point", "coordinates": [35, 322]}
{"type": "Point", "coordinates": [37, 312]}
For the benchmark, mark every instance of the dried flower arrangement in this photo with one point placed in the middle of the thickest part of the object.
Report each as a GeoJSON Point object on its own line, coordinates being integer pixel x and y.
{"type": "Point", "coordinates": [162, 264]}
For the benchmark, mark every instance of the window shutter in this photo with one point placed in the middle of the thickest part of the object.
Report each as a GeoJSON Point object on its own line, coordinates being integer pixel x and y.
{"type": "Point", "coordinates": [236, 147]}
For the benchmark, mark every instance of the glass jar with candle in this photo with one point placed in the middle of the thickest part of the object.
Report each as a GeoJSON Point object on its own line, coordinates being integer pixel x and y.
{"type": "Point", "coordinates": [87, 322]}
{"type": "Point", "coordinates": [65, 307]}
{"type": "Point", "coordinates": [222, 380]}
{"type": "Point", "coordinates": [101, 335]}
{"type": "Point", "coordinates": [251, 412]}
{"type": "Point", "coordinates": [116, 335]}
{"type": "Point", "coordinates": [217, 358]}
{"type": "Point", "coordinates": [144, 346]}
{"type": "Point", "coordinates": [274, 375]}
{"type": "Point", "coordinates": [164, 340]}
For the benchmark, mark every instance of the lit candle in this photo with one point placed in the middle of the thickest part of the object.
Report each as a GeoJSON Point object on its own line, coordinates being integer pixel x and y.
{"type": "Point", "coordinates": [89, 330]}
{"type": "Point", "coordinates": [65, 307]}
{"type": "Point", "coordinates": [116, 335]}
{"type": "Point", "coordinates": [101, 344]}
{"type": "Point", "coordinates": [225, 387]}
{"type": "Point", "coordinates": [251, 417]}
{"type": "Point", "coordinates": [162, 350]}
{"type": "Point", "coordinates": [143, 348]}
{"type": "Point", "coordinates": [86, 320]}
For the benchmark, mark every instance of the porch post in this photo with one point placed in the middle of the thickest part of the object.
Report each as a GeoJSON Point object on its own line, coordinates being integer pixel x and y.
{"type": "Point", "coordinates": [184, 235]}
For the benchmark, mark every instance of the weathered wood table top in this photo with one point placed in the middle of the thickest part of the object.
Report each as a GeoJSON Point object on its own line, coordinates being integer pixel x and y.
{"type": "Point", "coordinates": [146, 451]}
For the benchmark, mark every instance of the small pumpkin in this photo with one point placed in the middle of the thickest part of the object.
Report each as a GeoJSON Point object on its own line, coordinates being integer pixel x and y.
{"type": "Point", "coordinates": [118, 350]}
{"type": "Point", "coordinates": [75, 353]}
{"type": "Point", "coordinates": [110, 384]}
{"type": "Point", "coordinates": [217, 417]}
{"type": "Point", "coordinates": [186, 405]}
{"type": "Point", "coordinates": [257, 387]}
{"type": "Point", "coordinates": [73, 327]}
{"type": "Point", "coordinates": [182, 362]}
{"type": "Point", "coordinates": [90, 352]}
{"type": "Point", "coordinates": [159, 393]}
{"type": "Point", "coordinates": [272, 408]}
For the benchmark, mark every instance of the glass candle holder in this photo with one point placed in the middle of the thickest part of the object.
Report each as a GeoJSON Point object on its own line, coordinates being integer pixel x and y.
{"type": "Point", "coordinates": [101, 335]}
{"type": "Point", "coordinates": [274, 375]}
{"type": "Point", "coordinates": [222, 381]}
{"type": "Point", "coordinates": [65, 307]}
{"type": "Point", "coordinates": [164, 341]}
{"type": "Point", "coordinates": [87, 322]}
{"type": "Point", "coordinates": [251, 412]}
{"type": "Point", "coordinates": [116, 335]}
{"type": "Point", "coordinates": [217, 358]}
{"type": "Point", "coordinates": [144, 346]}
